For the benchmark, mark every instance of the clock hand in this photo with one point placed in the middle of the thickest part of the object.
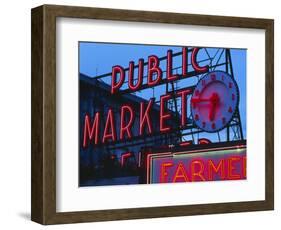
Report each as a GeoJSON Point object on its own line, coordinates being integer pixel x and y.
{"type": "Point", "coordinates": [198, 100]}
{"type": "Point", "coordinates": [211, 99]}
{"type": "Point", "coordinates": [214, 103]}
{"type": "Point", "coordinates": [212, 112]}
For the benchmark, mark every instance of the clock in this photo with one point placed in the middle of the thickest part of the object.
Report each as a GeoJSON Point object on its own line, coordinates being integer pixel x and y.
{"type": "Point", "coordinates": [214, 101]}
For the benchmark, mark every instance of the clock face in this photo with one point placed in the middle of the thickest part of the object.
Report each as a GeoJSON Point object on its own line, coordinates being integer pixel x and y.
{"type": "Point", "coordinates": [214, 101]}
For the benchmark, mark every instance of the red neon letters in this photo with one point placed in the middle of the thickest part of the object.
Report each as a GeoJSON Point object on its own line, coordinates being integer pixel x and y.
{"type": "Point", "coordinates": [132, 86]}
{"type": "Point", "coordinates": [194, 63]}
{"type": "Point", "coordinates": [117, 70]}
{"type": "Point", "coordinates": [126, 128]}
{"type": "Point", "coordinates": [170, 75]}
{"type": "Point", "coordinates": [229, 168]}
{"type": "Point", "coordinates": [164, 115]}
{"type": "Point", "coordinates": [109, 130]}
{"type": "Point", "coordinates": [145, 120]}
{"type": "Point", "coordinates": [183, 94]}
{"type": "Point", "coordinates": [93, 133]}
{"type": "Point", "coordinates": [154, 71]}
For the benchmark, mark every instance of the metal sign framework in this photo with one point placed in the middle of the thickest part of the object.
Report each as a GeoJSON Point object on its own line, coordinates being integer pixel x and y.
{"type": "Point", "coordinates": [221, 59]}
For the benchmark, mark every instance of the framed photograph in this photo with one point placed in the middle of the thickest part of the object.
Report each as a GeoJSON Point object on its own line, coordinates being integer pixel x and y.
{"type": "Point", "coordinates": [139, 114]}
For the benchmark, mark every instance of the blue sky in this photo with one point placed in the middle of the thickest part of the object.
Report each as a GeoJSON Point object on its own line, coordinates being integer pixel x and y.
{"type": "Point", "coordinates": [98, 58]}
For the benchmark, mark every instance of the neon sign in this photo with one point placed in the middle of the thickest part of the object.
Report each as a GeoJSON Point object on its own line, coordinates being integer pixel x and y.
{"type": "Point", "coordinates": [224, 163]}
{"type": "Point", "coordinates": [93, 131]}
{"type": "Point", "coordinates": [154, 71]}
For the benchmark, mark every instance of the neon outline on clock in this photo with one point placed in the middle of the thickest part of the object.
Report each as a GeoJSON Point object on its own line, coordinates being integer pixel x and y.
{"type": "Point", "coordinates": [214, 101]}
